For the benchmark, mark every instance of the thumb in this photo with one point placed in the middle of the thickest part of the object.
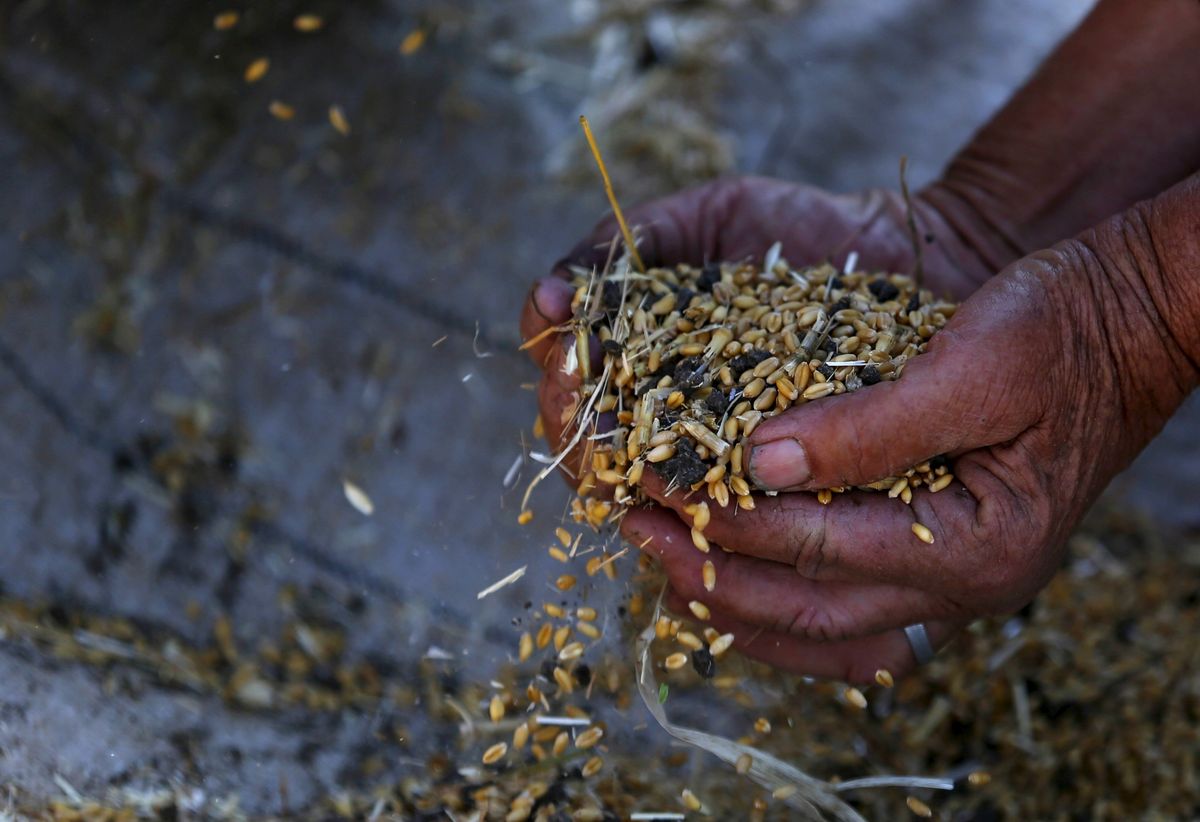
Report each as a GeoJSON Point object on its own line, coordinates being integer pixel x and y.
{"type": "Point", "coordinates": [957, 396]}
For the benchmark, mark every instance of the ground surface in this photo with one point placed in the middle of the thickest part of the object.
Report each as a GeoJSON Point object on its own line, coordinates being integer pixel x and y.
{"type": "Point", "coordinates": [210, 317]}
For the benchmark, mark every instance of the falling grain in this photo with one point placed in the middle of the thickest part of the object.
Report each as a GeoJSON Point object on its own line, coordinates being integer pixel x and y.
{"type": "Point", "coordinates": [561, 636]}
{"type": "Point", "coordinates": [307, 23]}
{"type": "Point", "coordinates": [413, 41]}
{"type": "Point", "coordinates": [855, 697]}
{"type": "Point", "coordinates": [573, 650]}
{"type": "Point", "coordinates": [520, 736]}
{"type": "Point", "coordinates": [358, 498]}
{"type": "Point", "coordinates": [561, 741]}
{"type": "Point", "coordinates": [675, 661]}
{"type": "Point", "coordinates": [589, 738]}
{"type": "Point", "coordinates": [495, 753]}
{"type": "Point", "coordinates": [256, 70]}
{"type": "Point", "coordinates": [721, 644]}
{"type": "Point", "coordinates": [337, 119]}
{"type": "Point", "coordinates": [918, 807]}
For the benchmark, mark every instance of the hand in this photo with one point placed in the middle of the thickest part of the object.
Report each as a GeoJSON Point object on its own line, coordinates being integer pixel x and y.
{"type": "Point", "coordinates": [738, 218]}
{"type": "Point", "coordinates": [1045, 383]}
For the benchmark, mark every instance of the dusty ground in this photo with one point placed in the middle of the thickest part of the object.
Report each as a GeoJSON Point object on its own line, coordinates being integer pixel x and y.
{"type": "Point", "coordinates": [209, 318]}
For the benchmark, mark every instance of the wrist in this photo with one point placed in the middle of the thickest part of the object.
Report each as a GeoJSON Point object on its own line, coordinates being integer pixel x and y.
{"type": "Point", "coordinates": [1110, 118]}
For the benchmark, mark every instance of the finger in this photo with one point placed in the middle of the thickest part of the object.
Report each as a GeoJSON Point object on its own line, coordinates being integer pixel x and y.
{"type": "Point", "coordinates": [774, 597]}
{"type": "Point", "coordinates": [962, 393]}
{"type": "Point", "coordinates": [684, 227]}
{"type": "Point", "coordinates": [857, 537]}
{"type": "Point", "coordinates": [852, 660]}
{"type": "Point", "coordinates": [548, 305]}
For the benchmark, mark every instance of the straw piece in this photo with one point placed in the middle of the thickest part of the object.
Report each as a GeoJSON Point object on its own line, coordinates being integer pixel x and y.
{"type": "Point", "coordinates": [612, 197]}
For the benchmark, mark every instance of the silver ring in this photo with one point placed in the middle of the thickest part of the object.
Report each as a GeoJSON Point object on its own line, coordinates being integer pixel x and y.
{"type": "Point", "coordinates": [918, 640]}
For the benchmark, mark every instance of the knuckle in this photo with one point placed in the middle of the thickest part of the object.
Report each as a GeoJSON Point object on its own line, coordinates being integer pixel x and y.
{"type": "Point", "coordinates": [862, 450]}
{"type": "Point", "coordinates": [809, 550]}
{"type": "Point", "coordinates": [813, 622]}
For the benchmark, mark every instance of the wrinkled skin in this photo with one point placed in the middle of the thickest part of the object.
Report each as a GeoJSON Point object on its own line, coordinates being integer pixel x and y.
{"type": "Point", "coordinates": [1027, 388]}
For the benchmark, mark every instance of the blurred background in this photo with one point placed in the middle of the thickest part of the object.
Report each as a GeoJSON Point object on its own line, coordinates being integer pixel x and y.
{"type": "Point", "coordinates": [220, 301]}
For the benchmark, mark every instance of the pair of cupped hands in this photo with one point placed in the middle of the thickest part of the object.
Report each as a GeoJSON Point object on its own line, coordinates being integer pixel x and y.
{"type": "Point", "coordinates": [1024, 390]}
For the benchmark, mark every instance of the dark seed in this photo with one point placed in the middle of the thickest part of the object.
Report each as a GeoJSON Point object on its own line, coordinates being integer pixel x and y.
{"type": "Point", "coordinates": [1125, 629]}
{"type": "Point", "coordinates": [835, 282]}
{"type": "Point", "coordinates": [666, 367]}
{"type": "Point", "coordinates": [717, 402]}
{"type": "Point", "coordinates": [612, 347]}
{"type": "Point", "coordinates": [869, 375]}
{"type": "Point", "coordinates": [583, 674]}
{"type": "Point", "coordinates": [883, 290]}
{"type": "Point", "coordinates": [689, 374]}
{"type": "Point", "coordinates": [825, 370]}
{"type": "Point", "coordinates": [744, 362]}
{"type": "Point", "coordinates": [914, 302]}
{"type": "Point", "coordinates": [668, 417]}
{"type": "Point", "coordinates": [840, 305]}
{"type": "Point", "coordinates": [704, 663]}
{"type": "Point", "coordinates": [683, 298]}
{"type": "Point", "coordinates": [940, 461]}
{"type": "Point", "coordinates": [123, 461]}
{"type": "Point", "coordinates": [684, 468]}
{"type": "Point", "coordinates": [710, 276]}
{"type": "Point", "coordinates": [611, 295]}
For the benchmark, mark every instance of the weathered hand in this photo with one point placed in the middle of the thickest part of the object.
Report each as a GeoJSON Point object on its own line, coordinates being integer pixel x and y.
{"type": "Point", "coordinates": [1045, 383]}
{"type": "Point", "coordinates": [737, 218]}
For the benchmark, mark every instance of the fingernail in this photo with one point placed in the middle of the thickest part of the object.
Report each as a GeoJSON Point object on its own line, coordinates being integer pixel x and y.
{"type": "Point", "coordinates": [552, 299]}
{"type": "Point", "coordinates": [779, 464]}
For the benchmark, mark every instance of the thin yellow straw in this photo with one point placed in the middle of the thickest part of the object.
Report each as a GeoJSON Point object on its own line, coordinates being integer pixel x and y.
{"type": "Point", "coordinates": [612, 197]}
